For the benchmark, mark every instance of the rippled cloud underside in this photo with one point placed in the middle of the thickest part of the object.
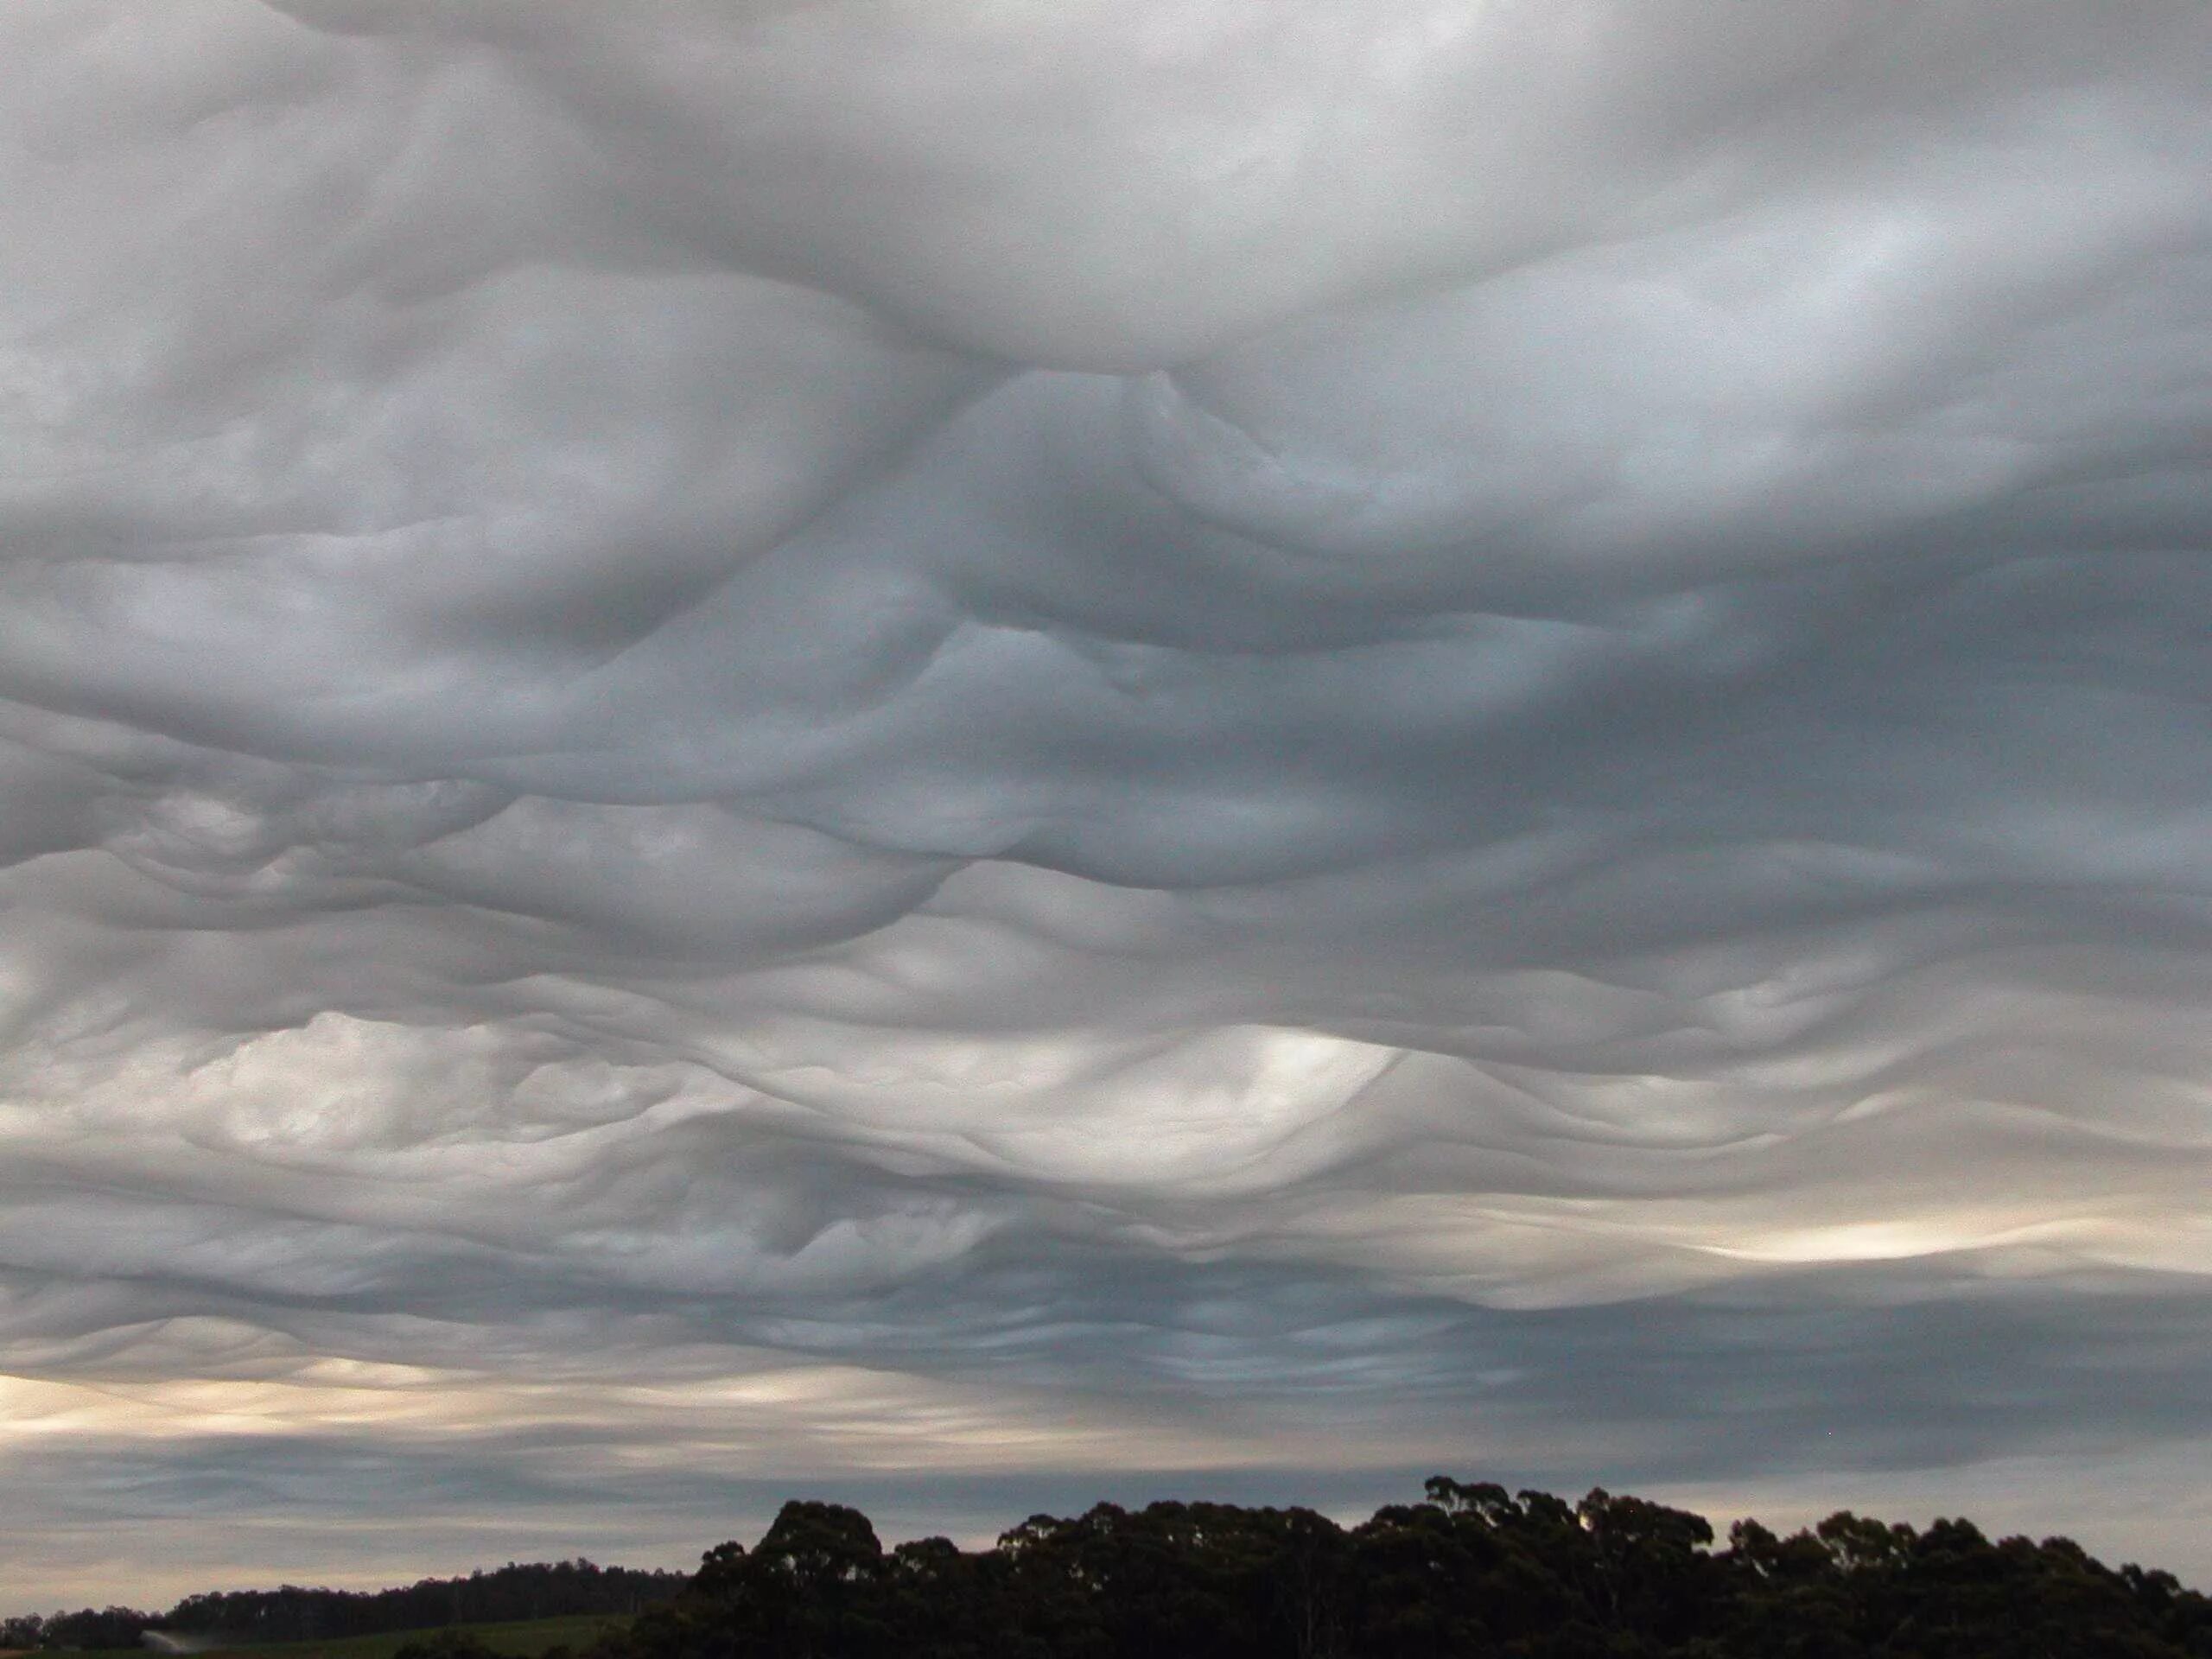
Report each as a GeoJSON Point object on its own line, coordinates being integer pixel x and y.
{"type": "Point", "coordinates": [973, 753]}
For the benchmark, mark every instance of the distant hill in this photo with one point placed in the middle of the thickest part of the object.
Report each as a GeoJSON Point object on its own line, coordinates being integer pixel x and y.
{"type": "Point", "coordinates": [512, 1594]}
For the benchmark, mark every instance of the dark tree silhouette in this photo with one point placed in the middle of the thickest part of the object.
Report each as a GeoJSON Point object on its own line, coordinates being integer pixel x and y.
{"type": "Point", "coordinates": [1470, 1573]}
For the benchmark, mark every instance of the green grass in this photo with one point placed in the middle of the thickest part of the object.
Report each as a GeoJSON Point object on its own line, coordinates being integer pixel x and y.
{"type": "Point", "coordinates": [524, 1639]}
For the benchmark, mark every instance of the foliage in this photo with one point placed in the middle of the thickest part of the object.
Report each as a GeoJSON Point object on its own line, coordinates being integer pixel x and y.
{"type": "Point", "coordinates": [291, 1614]}
{"type": "Point", "coordinates": [541, 1590]}
{"type": "Point", "coordinates": [1472, 1572]}
{"type": "Point", "coordinates": [89, 1627]}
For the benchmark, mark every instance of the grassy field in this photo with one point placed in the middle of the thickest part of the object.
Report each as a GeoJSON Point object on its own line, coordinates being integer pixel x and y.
{"type": "Point", "coordinates": [523, 1640]}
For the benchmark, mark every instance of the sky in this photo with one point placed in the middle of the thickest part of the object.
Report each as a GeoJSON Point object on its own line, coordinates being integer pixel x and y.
{"type": "Point", "coordinates": [974, 753]}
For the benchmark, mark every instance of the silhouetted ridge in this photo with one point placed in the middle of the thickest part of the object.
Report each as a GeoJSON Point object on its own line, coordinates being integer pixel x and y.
{"type": "Point", "coordinates": [540, 1590]}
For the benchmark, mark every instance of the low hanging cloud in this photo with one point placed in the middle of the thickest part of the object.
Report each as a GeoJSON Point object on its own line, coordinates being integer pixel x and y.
{"type": "Point", "coordinates": [890, 745]}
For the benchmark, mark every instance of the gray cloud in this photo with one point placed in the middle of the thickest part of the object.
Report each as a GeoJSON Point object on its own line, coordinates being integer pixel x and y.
{"type": "Point", "coordinates": [915, 744]}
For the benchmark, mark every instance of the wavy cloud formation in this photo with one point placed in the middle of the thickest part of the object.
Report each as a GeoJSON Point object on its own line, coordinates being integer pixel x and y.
{"type": "Point", "coordinates": [938, 747]}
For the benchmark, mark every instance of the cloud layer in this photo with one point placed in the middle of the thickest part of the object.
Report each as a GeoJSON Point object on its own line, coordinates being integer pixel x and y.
{"type": "Point", "coordinates": [943, 742]}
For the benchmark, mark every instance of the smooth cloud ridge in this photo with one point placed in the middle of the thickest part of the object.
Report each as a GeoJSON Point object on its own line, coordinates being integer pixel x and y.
{"type": "Point", "coordinates": [941, 749]}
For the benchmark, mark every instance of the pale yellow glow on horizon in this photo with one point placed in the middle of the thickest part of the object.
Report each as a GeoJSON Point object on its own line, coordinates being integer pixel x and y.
{"type": "Point", "coordinates": [809, 1417]}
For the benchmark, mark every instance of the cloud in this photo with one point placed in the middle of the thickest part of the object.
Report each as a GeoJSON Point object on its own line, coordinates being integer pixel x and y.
{"type": "Point", "coordinates": [852, 738]}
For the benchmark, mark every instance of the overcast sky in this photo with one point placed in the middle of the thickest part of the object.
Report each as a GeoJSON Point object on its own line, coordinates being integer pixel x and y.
{"type": "Point", "coordinates": [968, 753]}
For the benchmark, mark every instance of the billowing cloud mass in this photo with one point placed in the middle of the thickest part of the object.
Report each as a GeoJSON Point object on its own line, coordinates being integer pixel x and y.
{"type": "Point", "coordinates": [974, 753]}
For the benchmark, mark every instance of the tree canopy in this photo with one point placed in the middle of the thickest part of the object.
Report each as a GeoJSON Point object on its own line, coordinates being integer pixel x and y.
{"type": "Point", "coordinates": [1472, 1571]}
{"type": "Point", "coordinates": [1469, 1572]}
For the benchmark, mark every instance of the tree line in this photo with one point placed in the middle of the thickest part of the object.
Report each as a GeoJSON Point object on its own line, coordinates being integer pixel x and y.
{"type": "Point", "coordinates": [1472, 1572]}
{"type": "Point", "coordinates": [539, 1590]}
